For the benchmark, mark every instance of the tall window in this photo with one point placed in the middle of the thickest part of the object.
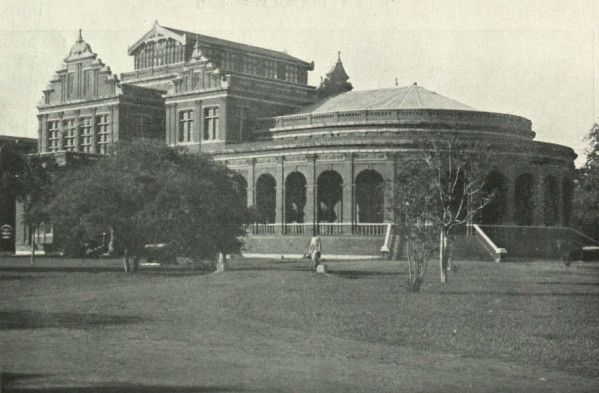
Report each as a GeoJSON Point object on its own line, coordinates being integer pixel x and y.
{"type": "Point", "coordinates": [70, 83]}
{"type": "Point", "coordinates": [102, 131]}
{"type": "Point", "coordinates": [185, 125]}
{"type": "Point", "coordinates": [85, 135]}
{"type": "Point", "coordinates": [244, 124]}
{"type": "Point", "coordinates": [70, 133]}
{"type": "Point", "coordinates": [87, 81]}
{"type": "Point", "coordinates": [210, 122]}
{"type": "Point", "coordinates": [53, 135]}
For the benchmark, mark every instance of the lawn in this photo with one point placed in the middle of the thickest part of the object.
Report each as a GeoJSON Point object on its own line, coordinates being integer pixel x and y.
{"type": "Point", "coordinates": [266, 326]}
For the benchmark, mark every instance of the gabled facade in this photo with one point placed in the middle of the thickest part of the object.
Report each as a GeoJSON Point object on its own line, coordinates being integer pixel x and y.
{"type": "Point", "coordinates": [86, 109]}
{"type": "Point", "coordinates": [216, 89]}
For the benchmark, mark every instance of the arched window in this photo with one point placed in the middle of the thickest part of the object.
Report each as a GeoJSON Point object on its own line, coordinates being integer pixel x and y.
{"type": "Point", "coordinates": [266, 198]}
{"type": "Point", "coordinates": [330, 196]}
{"type": "Point", "coordinates": [369, 196]}
{"type": "Point", "coordinates": [524, 199]}
{"type": "Point", "coordinates": [295, 197]}
{"type": "Point", "coordinates": [495, 187]}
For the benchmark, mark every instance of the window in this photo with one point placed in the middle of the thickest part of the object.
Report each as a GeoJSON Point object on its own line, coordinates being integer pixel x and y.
{"type": "Point", "coordinates": [185, 126]}
{"type": "Point", "coordinates": [70, 80]}
{"type": "Point", "coordinates": [244, 124]}
{"type": "Point", "coordinates": [70, 133]}
{"type": "Point", "coordinates": [53, 135]}
{"type": "Point", "coordinates": [210, 122]}
{"type": "Point", "coordinates": [102, 131]}
{"type": "Point", "coordinates": [87, 81]}
{"type": "Point", "coordinates": [85, 135]}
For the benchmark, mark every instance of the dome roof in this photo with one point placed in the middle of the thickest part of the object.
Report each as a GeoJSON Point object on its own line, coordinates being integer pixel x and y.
{"type": "Point", "coordinates": [407, 97]}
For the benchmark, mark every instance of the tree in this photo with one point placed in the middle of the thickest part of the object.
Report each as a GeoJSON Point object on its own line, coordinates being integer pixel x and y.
{"type": "Point", "coordinates": [586, 195]}
{"type": "Point", "coordinates": [437, 188]}
{"type": "Point", "coordinates": [148, 193]}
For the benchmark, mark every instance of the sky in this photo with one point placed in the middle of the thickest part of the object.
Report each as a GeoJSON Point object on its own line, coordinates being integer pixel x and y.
{"type": "Point", "coordinates": [537, 59]}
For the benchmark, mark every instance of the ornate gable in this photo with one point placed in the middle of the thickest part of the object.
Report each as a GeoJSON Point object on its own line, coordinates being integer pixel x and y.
{"type": "Point", "coordinates": [156, 34]}
{"type": "Point", "coordinates": [83, 77]}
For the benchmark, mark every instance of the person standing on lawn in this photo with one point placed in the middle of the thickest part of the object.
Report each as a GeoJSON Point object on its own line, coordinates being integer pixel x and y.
{"type": "Point", "coordinates": [314, 250]}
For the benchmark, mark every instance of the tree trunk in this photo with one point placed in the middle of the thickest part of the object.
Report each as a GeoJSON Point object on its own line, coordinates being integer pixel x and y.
{"type": "Point", "coordinates": [111, 241]}
{"type": "Point", "coordinates": [443, 255]}
{"type": "Point", "coordinates": [126, 264]}
{"type": "Point", "coordinates": [33, 247]}
{"type": "Point", "coordinates": [135, 264]}
{"type": "Point", "coordinates": [222, 264]}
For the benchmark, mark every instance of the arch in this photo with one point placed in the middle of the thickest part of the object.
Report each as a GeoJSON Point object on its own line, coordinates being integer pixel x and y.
{"type": "Point", "coordinates": [495, 186]}
{"type": "Point", "coordinates": [330, 196]}
{"type": "Point", "coordinates": [567, 189]}
{"type": "Point", "coordinates": [295, 197]}
{"type": "Point", "coordinates": [243, 189]}
{"type": "Point", "coordinates": [550, 200]}
{"type": "Point", "coordinates": [524, 199]}
{"type": "Point", "coordinates": [370, 198]}
{"type": "Point", "coordinates": [266, 198]}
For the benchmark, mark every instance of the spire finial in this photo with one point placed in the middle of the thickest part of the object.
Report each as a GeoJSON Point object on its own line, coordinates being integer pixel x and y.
{"type": "Point", "coordinates": [396, 84]}
{"type": "Point", "coordinates": [338, 55]}
{"type": "Point", "coordinates": [80, 39]}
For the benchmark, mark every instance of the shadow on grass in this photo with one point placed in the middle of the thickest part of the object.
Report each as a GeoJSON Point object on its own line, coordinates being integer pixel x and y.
{"type": "Point", "coordinates": [525, 294]}
{"type": "Point", "coordinates": [355, 274]}
{"type": "Point", "coordinates": [567, 283]}
{"type": "Point", "coordinates": [15, 278]}
{"type": "Point", "coordinates": [124, 388]}
{"type": "Point", "coordinates": [60, 269]}
{"type": "Point", "coordinates": [25, 319]}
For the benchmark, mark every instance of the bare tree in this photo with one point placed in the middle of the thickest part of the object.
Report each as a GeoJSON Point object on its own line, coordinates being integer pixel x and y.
{"type": "Point", "coordinates": [441, 184]}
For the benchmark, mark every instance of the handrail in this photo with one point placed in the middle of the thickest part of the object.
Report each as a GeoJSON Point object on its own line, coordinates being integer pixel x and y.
{"type": "Point", "coordinates": [385, 247]}
{"type": "Point", "coordinates": [486, 240]}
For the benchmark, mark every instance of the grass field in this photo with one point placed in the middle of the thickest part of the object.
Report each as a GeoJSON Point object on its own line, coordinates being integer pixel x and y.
{"type": "Point", "coordinates": [266, 326]}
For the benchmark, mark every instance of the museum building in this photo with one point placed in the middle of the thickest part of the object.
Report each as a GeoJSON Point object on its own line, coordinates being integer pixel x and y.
{"type": "Point", "coordinates": [313, 158]}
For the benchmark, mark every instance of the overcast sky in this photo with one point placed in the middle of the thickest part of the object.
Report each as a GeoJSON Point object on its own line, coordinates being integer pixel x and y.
{"type": "Point", "coordinates": [537, 59]}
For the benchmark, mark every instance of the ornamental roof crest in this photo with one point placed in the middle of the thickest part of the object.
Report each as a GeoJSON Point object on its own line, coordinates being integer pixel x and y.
{"type": "Point", "coordinates": [80, 50]}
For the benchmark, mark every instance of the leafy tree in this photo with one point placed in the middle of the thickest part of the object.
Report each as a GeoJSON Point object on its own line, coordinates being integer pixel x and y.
{"type": "Point", "coordinates": [586, 195]}
{"type": "Point", "coordinates": [438, 188]}
{"type": "Point", "coordinates": [149, 193]}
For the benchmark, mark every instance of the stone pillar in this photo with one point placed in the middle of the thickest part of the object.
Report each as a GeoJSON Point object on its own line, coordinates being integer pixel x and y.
{"type": "Point", "coordinates": [21, 233]}
{"type": "Point", "coordinates": [280, 196]}
{"type": "Point", "coordinates": [510, 200]}
{"type": "Point", "coordinates": [389, 190]}
{"type": "Point", "coordinates": [93, 148]}
{"type": "Point", "coordinates": [113, 136]}
{"type": "Point", "coordinates": [348, 191]}
{"type": "Point", "coordinates": [539, 198]}
{"type": "Point", "coordinates": [77, 126]}
{"type": "Point", "coordinates": [251, 179]}
{"type": "Point", "coordinates": [42, 143]}
{"type": "Point", "coordinates": [559, 220]}
{"type": "Point", "coordinates": [197, 136]}
{"type": "Point", "coordinates": [60, 131]}
{"type": "Point", "coordinates": [310, 207]}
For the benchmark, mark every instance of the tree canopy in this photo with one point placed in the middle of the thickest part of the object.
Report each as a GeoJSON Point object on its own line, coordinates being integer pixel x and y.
{"type": "Point", "coordinates": [586, 196]}
{"type": "Point", "coordinates": [149, 193]}
{"type": "Point", "coordinates": [440, 186]}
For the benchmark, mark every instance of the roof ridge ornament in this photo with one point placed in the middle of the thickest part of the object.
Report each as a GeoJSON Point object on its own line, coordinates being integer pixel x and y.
{"type": "Point", "coordinates": [80, 50]}
{"type": "Point", "coordinates": [335, 81]}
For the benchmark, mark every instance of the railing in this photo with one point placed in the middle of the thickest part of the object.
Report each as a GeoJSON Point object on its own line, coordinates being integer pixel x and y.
{"type": "Point", "coordinates": [322, 229]}
{"type": "Point", "coordinates": [488, 244]}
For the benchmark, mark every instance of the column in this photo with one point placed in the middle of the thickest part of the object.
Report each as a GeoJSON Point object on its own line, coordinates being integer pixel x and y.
{"type": "Point", "coordinates": [93, 148]}
{"type": "Point", "coordinates": [251, 179]}
{"type": "Point", "coordinates": [197, 136]}
{"type": "Point", "coordinates": [309, 208]}
{"type": "Point", "coordinates": [389, 191]}
{"type": "Point", "coordinates": [347, 210]}
{"type": "Point", "coordinates": [559, 220]}
{"type": "Point", "coordinates": [42, 134]}
{"type": "Point", "coordinates": [113, 136]}
{"type": "Point", "coordinates": [510, 209]}
{"type": "Point", "coordinates": [77, 130]}
{"type": "Point", "coordinates": [60, 131]}
{"type": "Point", "coordinates": [280, 196]}
{"type": "Point", "coordinates": [538, 198]}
